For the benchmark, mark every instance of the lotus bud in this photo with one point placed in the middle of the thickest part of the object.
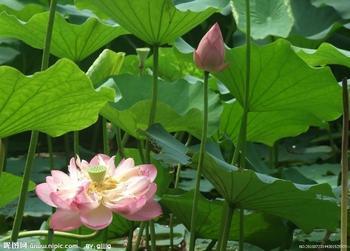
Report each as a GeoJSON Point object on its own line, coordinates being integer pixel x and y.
{"type": "Point", "coordinates": [210, 54]}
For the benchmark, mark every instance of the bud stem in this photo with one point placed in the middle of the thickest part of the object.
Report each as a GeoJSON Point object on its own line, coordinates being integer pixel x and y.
{"type": "Point", "coordinates": [200, 162]}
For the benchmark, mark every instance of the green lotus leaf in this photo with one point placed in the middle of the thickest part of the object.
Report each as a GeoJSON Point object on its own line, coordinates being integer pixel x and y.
{"type": "Point", "coordinates": [265, 231]}
{"type": "Point", "coordinates": [326, 54]}
{"type": "Point", "coordinates": [154, 21]}
{"type": "Point", "coordinates": [250, 190]}
{"type": "Point", "coordinates": [72, 41]}
{"type": "Point", "coordinates": [180, 105]}
{"type": "Point", "coordinates": [171, 151]}
{"type": "Point", "coordinates": [7, 54]}
{"type": "Point", "coordinates": [55, 101]}
{"type": "Point", "coordinates": [312, 25]}
{"type": "Point", "coordinates": [23, 11]}
{"type": "Point", "coordinates": [286, 95]}
{"type": "Point", "coordinates": [341, 6]}
{"type": "Point", "coordinates": [107, 64]}
{"type": "Point", "coordinates": [268, 17]}
{"type": "Point", "coordinates": [10, 187]}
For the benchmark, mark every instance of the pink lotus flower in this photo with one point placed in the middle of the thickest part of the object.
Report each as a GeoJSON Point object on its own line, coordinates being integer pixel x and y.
{"type": "Point", "coordinates": [92, 191]}
{"type": "Point", "coordinates": [210, 54]}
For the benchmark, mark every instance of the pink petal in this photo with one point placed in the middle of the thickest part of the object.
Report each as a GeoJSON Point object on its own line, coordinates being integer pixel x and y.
{"type": "Point", "coordinates": [150, 211]}
{"type": "Point", "coordinates": [152, 189]}
{"type": "Point", "coordinates": [85, 201]}
{"type": "Point", "coordinates": [111, 166]}
{"type": "Point", "coordinates": [128, 205]}
{"type": "Point", "coordinates": [73, 169]}
{"type": "Point", "coordinates": [98, 218]}
{"type": "Point", "coordinates": [148, 170]}
{"type": "Point", "coordinates": [43, 191]}
{"type": "Point", "coordinates": [137, 185]}
{"type": "Point", "coordinates": [51, 183]}
{"type": "Point", "coordinates": [60, 177]}
{"type": "Point", "coordinates": [210, 54]}
{"type": "Point", "coordinates": [65, 204]}
{"type": "Point", "coordinates": [81, 164]}
{"type": "Point", "coordinates": [64, 198]}
{"type": "Point", "coordinates": [124, 165]}
{"type": "Point", "coordinates": [126, 174]}
{"type": "Point", "coordinates": [197, 59]}
{"type": "Point", "coordinates": [99, 159]}
{"type": "Point", "coordinates": [65, 220]}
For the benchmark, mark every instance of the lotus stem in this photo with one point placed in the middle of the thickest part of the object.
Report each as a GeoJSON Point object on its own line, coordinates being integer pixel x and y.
{"type": "Point", "coordinates": [2, 155]}
{"type": "Point", "coordinates": [139, 236]}
{"type": "Point", "coordinates": [239, 152]}
{"type": "Point", "coordinates": [24, 188]}
{"type": "Point", "coordinates": [34, 135]}
{"type": "Point", "coordinates": [200, 162]}
{"type": "Point", "coordinates": [153, 110]}
{"type": "Point", "coordinates": [345, 168]}
{"type": "Point", "coordinates": [106, 151]}
{"type": "Point", "coordinates": [66, 235]}
{"type": "Point", "coordinates": [152, 231]}
{"type": "Point", "coordinates": [120, 143]}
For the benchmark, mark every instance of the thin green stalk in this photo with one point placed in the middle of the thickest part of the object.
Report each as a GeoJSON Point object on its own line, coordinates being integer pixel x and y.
{"type": "Point", "coordinates": [105, 137]}
{"type": "Point", "coordinates": [211, 245]}
{"type": "Point", "coordinates": [226, 228]}
{"type": "Point", "coordinates": [176, 184]}
{"type": "Point", "coordinates": [334, 146]}
{"type": "Point", "coordinates": [130, 239]}
{"type": "Point", "coordinates": [105, 237]}
{"type": "Point", "coordinates": [120, 143]}
{"type": "Point", "coordinates": [96, 127]}
{"type": "Point", "coordinates": [225, 208]}
{"type": "Point", "coordinates": [177, 177]}
{"type": "Point", "coordinates": [66, 146]}
{"type": "Point", "coordinates": [152, 117]}
{"type": "Point", "coordinates": [50, 235]}
{"type": "Point", "coordinates": [105, 151]}
{"type": "Point", "coordinates": [141, 152]}
{"type": "Point", "coordinates": [2, 155]}
{"type": "Point", "coordinates": [240, 147]}
{"type": "Point", "coordinates": [153, 110]}
{"type": "Point", "coordinates": [171, 231]}
{"type": "Point", "coordinates": [49, 30]}
{"type": "Point", "coordinates": [200, 163]}
{"type": "Point", "coordinates": [147, 236]}
{"type": "Point", "coordinates": [152, 231]}
{"type": "Point", "coordinates": [241, 229]}
{"type": "Point", "coordinates": [125, 139]}
{"type": "Point", "coordinates": [76, 142]}
{"type": "Point", "coordinates": [24, 188]}
{"type": "Point", "coordinates": [80, 231]}
{"type": "Point", "coordinates": [345, 168]}
{"type": "Point", "coordinates": [50, 150]}
{"type": "Point", "coordinates": [45, 233]}
{"type": "Point", "coordinates": [243, 130]}
{"type": "Point", "coordinates": [34, 135]}
{"type": "Point", "coordinates": [139, 236]}
{"type": "Point", "coordinates": [171, 217]}
{"type": "Point", "coordinates": [239, 152]}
